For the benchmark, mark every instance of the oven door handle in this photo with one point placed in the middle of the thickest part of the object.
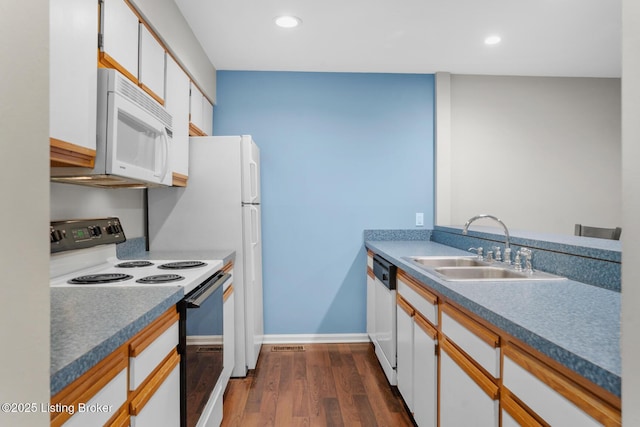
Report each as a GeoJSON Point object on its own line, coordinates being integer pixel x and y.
{"type": "Point", "coordinates": [200, 295]}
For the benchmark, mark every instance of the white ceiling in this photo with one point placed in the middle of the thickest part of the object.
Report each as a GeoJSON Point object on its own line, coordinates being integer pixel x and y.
{"type": "Point", "coordinates": [539, 37]}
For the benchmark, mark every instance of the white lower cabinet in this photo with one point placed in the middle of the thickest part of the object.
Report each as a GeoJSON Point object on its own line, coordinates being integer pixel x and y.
{"type": "Point", "coordinates": [159, 403]}
{"type": "Point", "coordinates": [540, 389]}
{"type": "Point", "coordinates": [514, 415]}
{"type": "Point", "coordinates": [109, 398]}
{"type": "Point", "coordinates": [467, 396]}
{"type": "Point", "coordinates": [137, 385]}
{"type": "Point", "coordinates": [425, 373]}
{"type": "Point", "coordinates": [404, 350]}
{"type": "Point", "coordinates": [417, 365]}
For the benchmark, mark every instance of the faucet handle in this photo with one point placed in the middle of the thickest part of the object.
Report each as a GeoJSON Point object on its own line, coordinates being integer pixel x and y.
{"type": "Point", "coordinates": [498, 253]}
{"type": "Point", "coordinates": [478, 250]}
{"type": "Point", "coordinates": [528, 255]}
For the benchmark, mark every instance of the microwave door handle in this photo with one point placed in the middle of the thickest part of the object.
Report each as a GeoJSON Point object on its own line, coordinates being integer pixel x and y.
{"type": "Point", "coordinates": [165, 154]}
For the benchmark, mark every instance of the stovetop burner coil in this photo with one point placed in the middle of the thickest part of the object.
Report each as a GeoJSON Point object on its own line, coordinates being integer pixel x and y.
{"type": "Point", "coordinates": [182, 265]}
{"type": "Point", "coordinates": [160, 278]}
{"type": "Point", "coordinates": [134, 264]}
{"type": "Point", "coordinates": [94, 279]}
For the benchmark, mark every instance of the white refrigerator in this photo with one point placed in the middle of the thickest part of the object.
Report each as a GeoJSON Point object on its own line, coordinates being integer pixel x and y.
{"type": "Point", "coordinates": [219, 209]}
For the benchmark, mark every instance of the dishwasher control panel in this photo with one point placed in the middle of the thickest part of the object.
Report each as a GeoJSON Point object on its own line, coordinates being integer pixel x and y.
{"type": "Point", "coordinates": [385, 271]}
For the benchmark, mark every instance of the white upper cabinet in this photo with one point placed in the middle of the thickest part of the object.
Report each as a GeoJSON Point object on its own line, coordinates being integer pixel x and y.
{"type": "Point", "coordinates": [207, 116]}
{"type": "Point", "coordinates": [151, 67]}
{"type": "Point", "coordinates": [119, 34]}
{"type": "Point", "coordinates": [195, 112]}
{"type": "Point", "coordinates": [201, 111]}
{"type": "Point", "coordinates": [73, 77]}
{"type": "Point", "coordinates": [177, 104]}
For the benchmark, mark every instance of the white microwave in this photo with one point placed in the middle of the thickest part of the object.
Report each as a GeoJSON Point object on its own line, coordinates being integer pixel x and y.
{"type": "Point", "coordinates": [133, 138]}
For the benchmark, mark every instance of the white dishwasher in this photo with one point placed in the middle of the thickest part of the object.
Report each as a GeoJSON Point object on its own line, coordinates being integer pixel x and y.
{"type": "Point", "coordinates": [384, 336]}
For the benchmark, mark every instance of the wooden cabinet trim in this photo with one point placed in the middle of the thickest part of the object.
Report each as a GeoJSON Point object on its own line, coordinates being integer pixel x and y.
{"type": "Point", "coordinates": [479, 330]}
{"type": "Point", "coordinates": [227, 293]}
{"type": "Point", "coordinates": [88, 384]}
{"type": "Point", "coordinates": [425, 325]}
{"type": "Point", "coordinates": [518, 412]}
{"type": "Point", "coordinates": [404, 305]}
{"type": "Point", "coordinates": [195, 130]}
{"type": "Point", "coordinates": [149, 334]}
{"type": "Point", "coordinates": [106, 61]}
{"type": "Point", "coordinates": [228, 267]}
{"type": "Point", "coordinates": [154, 383]}
{"type": "Point", "coordinates": [64, 153]}
{"type": "Point", "coordinates": [370, 272]}
{"type": "Point", "coordinates": [482, 380]}
{"type": "Point", "coordinates": [152, 94]}
{"type": "Point", "coordinates": [579, 396]}
{"type": "Point", "coordinates": [179, 180]}
{"type": "Point", "coordinates": [418, 287]}
{"type": "Point", "coordinates": [121, 419]}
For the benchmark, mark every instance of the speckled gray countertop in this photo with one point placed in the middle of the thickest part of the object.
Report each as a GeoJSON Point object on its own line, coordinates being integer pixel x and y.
{"type": "Point", "coordinates": [576, 324]}
{"type": "Point", "coordinates": [88, 324]}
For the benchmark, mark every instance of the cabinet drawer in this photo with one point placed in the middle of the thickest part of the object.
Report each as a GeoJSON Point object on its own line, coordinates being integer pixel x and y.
{"type": "Point", "coordinates": [104, 380]}
{"type": "Point", "coordinates": [467, 395]}
{"type": "Point", "coordinates": [101, 407]}
{"type": "Point", "coordinates": [151, 346]}
{"type": "Point", "coordinates": [370, 259]}
{"type": "Point", "coordinates": [158, 403]}
{"type": "Point", "coordinates": [419, 298]}
{"type": "Point", "coordinates": [514, 415]}
{"type": "Point", "coordinates": [481, 344]}
{"type": "Point", "coordinates": [553, 397]}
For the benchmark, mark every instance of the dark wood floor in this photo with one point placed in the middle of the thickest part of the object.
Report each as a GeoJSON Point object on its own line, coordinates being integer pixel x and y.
{"type": "Point", "coordinates": [324, 385]}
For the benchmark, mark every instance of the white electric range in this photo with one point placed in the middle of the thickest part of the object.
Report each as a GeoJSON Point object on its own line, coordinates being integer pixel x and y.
{"type": "Point", "coordinates": [84, 254]}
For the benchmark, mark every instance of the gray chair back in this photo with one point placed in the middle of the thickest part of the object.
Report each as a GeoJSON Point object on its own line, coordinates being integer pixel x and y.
{"type": "Point", "coordinates": [598, 232]}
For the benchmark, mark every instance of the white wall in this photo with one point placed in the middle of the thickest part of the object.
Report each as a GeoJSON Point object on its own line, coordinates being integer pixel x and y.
{"type": "Point", "coordinates": [70, 201]}
{"type": "Point", "coordinates": [541, 153]}
{"type": "Point", "coordinates": [24, 208]}
{"type": "Point", "coordinates": [631, 212]}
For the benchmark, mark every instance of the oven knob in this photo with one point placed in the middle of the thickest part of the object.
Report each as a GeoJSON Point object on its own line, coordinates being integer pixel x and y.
{"type": "Point", "coordinates": [114, 229]}
{"type": "Point", "coordinates": [95, 231]}
{"type": "Point", "coordinates": [56, 236]}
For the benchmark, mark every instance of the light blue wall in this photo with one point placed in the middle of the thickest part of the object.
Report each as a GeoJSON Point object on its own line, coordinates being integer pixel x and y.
{"type": "Point", "coordinates": [340, 153]}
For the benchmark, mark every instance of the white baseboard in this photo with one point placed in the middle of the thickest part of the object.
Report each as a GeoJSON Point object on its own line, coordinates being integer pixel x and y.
{"type": "Point", "coordinates": [204, 340]}
{"type": "Point", "coordinates": [315, 338]}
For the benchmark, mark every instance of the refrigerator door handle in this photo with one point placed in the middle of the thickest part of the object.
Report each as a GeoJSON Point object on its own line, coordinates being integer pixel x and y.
{"type": "Point", "coordinates": [254, 226]}
{"type": "Point", "coordinates": [253, 171]}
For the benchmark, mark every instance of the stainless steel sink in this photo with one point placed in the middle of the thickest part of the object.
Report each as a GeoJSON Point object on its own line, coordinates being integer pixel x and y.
{"type": "Point", "coordinates": [445, 261]}
{"type": "Point", "coordinates": [490, 274]}
{"type": "Point", "coordinates": [471, 269]}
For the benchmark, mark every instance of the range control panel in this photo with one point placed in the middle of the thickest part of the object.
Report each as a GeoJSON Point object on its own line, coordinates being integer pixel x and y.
{"type": "Point", "coordinates": [85, 233]}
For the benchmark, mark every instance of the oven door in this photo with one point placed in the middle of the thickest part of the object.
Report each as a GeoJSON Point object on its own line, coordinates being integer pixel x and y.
{"type": "Point", "coordinates": [201, 346]}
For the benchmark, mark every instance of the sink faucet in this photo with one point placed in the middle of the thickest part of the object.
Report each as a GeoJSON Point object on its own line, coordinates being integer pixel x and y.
{"type": "Point", "coordinates": [506, 230]}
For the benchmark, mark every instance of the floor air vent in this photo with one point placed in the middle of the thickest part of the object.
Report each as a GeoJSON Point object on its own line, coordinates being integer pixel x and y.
{"type": "Point", "coordinates": [210, 349]}
{"type": "Point", "coordinates": [287, 348]}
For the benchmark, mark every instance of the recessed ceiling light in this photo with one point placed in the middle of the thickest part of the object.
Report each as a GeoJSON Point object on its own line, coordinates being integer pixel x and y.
{"type": "Point", "coordinates": [287, 21]}
{"type": "Point", "coordinates": [492, 40]}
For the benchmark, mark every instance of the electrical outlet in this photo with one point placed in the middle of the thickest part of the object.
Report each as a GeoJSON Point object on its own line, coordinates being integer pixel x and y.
{"type": "Point", "coordinates": [419, 219]}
